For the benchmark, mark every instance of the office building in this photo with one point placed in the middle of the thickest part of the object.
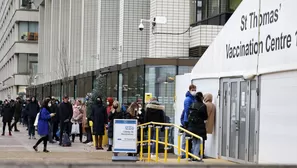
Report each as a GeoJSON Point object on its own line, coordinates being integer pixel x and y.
{"type": "Point", "coordinates": [18, 46]}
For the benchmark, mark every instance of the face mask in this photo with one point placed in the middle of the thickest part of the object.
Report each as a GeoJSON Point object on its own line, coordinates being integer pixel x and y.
{"type": "Point", "coordinates": [107, 103]}
{"type": "Point", "coordinates": [140, 108]}
{"type": "Point", "coordinates": [50, 104]}
{"type": "Point", "coordinates": [56, 102]}
{"type": "Point", "coordinates": [193, 93]}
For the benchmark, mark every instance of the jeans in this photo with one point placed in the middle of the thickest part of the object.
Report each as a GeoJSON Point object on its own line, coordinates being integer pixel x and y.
{"type": "Point", "coordinates": [153, 137]}
{"type": "Point", "coordinates": [110, 141]}
{"type": "Point", "coordinates": [184, 145]}
{"type": "Point", "coordinates": [196, 146]}
{"type": "Point", "coordinates": [31, 127]}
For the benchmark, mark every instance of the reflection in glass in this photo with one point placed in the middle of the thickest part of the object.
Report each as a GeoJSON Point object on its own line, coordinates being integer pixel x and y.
{"type": "Point", "coordinates": [233, 120]}
{"type": "Point", "coordinates": [159, 81]}
{"type": "Point", "coordinates": [242, 119]}
{"type": "Point", "coordinates": [224, 119]}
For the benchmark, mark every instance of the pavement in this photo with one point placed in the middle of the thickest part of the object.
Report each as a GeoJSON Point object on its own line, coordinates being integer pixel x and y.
{"type": "Point", "coordinates": [18, 148]}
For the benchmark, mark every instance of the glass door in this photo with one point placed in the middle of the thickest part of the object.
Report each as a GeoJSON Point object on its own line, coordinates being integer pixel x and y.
{"type": "Point", "coordinates": [238, 120]}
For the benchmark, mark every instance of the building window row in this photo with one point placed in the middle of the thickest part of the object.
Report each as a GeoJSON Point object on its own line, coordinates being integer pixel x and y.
{"type": "Point", "coordinates": [6, 15]}
{"type": "Point", "coordinates": [217, 11]}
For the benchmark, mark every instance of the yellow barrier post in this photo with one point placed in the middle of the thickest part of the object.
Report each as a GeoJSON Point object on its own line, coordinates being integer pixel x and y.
{"type": "Point", "coordinates": [201, 150]}
{"type": "Point", "coordinates": [93, 137]}
{"type": "Point", "coordinates": [166, 144]}
{"type": "Point", "coordinates": [178, 149]}
{"type": "Point", "coordinates": [187, 148]}
{"type": "Point", "coordinates": [149, 144]}
{"type": "Point", "coordinates": [157, 143]}
{"type": "Point", "coordinates": [141, 143]}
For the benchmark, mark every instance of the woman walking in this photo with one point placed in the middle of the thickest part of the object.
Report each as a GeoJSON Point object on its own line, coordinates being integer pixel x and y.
{"type": "Point", "coordinates": [43, 125]}
{"type": "Point", "coordinates": [99, 118]}
{"type": "Point", "coordinates": [7, 112]}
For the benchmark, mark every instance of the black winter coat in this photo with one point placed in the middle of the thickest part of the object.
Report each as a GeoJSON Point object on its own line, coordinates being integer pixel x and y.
{"type": "Point", "coordinates": [99, 118]}
{"type": "Point", "coordinates": [111, 117]}
{"type": "Point", "coordinates": [32, 109]}
{"type": "Point", "coordinates": [197, 116]}
{"type": "Point", "coordinates": [65, 111]}
{"type": "Point", "coordinates": [17, 110]}
{"type": "Point", "coordinates": [7, 112]}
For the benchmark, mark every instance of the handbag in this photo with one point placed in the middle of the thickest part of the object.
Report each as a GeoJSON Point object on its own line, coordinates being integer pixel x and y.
{"type": "Point", "coordinates": [75, 128]}
{"type": "Point", "coordinates": [36, 120]}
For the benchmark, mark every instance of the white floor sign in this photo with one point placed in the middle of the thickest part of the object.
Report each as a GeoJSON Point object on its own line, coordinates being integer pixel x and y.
{"type": "Point", "coordinates": [125, 136]}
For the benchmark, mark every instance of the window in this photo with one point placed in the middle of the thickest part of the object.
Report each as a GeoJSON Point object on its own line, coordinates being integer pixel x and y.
{"type": "Point", "coordinates": [28, 31]}
{"type": "Point", "coordinates": [27, 63]}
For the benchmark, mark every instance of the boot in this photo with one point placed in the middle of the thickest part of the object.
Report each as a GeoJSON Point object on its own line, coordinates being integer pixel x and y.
{"type": "Point", "coordinates": [96, 142]}
{"type": "Point", "coordinates": [109, 148]}
{"type": "Point", "coordinates": [100, 142]}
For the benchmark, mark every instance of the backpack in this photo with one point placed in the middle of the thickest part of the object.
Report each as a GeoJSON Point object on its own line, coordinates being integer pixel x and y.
{"type": "Point", "coordinates": [66, 140]}
{"type": "Point", "coordinates": [194, 112]}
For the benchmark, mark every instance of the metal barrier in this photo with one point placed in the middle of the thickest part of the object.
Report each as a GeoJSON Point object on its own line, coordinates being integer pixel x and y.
{"type": "Point", "coordinates": [149, 141]}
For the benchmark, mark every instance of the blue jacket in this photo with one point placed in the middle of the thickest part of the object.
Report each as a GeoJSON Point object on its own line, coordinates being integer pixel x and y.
{"type": "Point", "coordinates": [187, 103]}
{"type": "Point", "coordinates": [43, 122]}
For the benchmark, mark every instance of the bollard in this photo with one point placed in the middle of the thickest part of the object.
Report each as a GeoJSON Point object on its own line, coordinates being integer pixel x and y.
{"type": "Point", "coordinates": [157, 144]}
{"type": "Point", "coordinates": [201, 150]}
{"type": "Point", "coordinates": [149, 143]}
{"type": "Point", "coordinates": [141, 144]}
{"type": "Point", "coordinates": [187, 148]}
{"type": "Point", "coordinates": [178, 149]}
{"type": "Point", "coordinates": [166, 144]}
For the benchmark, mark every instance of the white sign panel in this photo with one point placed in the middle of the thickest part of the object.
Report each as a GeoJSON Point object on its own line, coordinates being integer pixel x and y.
{"type": "Point", "coordinates": [125, 136]}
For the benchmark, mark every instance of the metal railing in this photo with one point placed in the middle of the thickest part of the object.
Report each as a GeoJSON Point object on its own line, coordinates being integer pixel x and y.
{"type": "Point", "coordinates": [149, 142]}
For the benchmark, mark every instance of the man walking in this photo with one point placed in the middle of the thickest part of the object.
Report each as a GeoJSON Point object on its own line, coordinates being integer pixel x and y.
{"type": "Point", "coordinates": [65, 115]}
{"type": "Point", "coordinates": [17, 114]}
{"type": "Point", "coordinates": [32, 110]}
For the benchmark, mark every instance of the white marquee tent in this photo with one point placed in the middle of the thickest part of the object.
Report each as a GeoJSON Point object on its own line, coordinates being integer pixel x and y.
{"type": "Point", "coordinates": [251, 70]}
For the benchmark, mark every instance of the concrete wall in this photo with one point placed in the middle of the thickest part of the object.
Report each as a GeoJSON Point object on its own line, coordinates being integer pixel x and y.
{"type": "Point", "coordinates": [203, 35]}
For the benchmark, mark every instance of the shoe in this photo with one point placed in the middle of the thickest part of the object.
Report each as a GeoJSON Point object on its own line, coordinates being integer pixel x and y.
{"type": "Point", "coordinates": [3, 134]}
{"type": "Point", "coordinates": [100, 148]}
{"type": "Point", "coordinates": [35, 148]}
{"type": "Point", "coordinates": [97, 148]}
{"type": "Point", "coordinates": [10, 134]}
{"type": "Point", "coordinates": [30, 137]}
{"type": "Point", "coordinates": [109, 148]}
{"type": "Point", "coordinates": [52, 142]}
{"type": "Point", "coordinates": [45, 151]}
{"type": "Point", "coordinates": [86, 142]}
{"type": "Point", "coordinates": [33, 137]}
{"type": "Point", "coordinates": [16, 130]}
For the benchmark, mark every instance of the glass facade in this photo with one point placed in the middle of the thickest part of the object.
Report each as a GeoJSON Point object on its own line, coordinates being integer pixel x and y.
{"type": "Point", "coordinates": [213, 12]}
{"type": "Point", "coordinates": [112, 85]}
{"type": "Point", "coordinates": [159, 82]}
{"type": "Point", "coordinates": [131, 86]}
{"type": "Point", "coordinates": [184, 69]}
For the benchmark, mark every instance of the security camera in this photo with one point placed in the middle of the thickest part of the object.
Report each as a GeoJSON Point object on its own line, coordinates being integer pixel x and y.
{"type": "Point", "coordinates": [141, 27]}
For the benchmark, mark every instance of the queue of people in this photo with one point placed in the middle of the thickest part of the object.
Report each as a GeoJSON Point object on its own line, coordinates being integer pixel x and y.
{"type": "Point", "coordinates": [57, 122]}
{"type": "Point", "coordinates": [197, 117]}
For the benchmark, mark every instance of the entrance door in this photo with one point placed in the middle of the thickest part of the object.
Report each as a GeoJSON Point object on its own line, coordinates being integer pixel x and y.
{"type": "Point", "coordinates": [238, 126]}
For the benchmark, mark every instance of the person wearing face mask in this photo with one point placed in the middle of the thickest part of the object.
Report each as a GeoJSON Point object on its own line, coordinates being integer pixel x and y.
{"type": "Point", "coordinates": [32, 110]}
{"type": "Point", "coordinates": [115, 113]}
{"type": "Point", "coordinates": [190, 99]}
{"type": "Point", "coordinates": [99, 118]}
